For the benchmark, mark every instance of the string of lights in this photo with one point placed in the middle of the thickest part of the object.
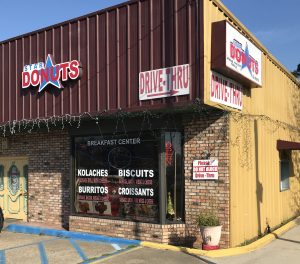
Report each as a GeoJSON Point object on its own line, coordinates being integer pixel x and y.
{"type": "Point", "coordinates": [28, 125]}
{"type": "Point", "coordinates": [220, 135]}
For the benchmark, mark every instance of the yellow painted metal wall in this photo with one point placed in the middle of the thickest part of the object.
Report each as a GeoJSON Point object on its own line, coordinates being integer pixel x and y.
{"type": "Point", "coordinates": [269, 113]}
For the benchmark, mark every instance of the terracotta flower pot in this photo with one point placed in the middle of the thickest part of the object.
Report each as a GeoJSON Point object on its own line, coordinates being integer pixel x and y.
{"type": "Point", "coordinates": [211, 235]}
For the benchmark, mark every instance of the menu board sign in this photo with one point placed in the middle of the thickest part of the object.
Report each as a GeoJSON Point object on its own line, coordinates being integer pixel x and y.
{"type": "Point", "coordinates": [117, 177]}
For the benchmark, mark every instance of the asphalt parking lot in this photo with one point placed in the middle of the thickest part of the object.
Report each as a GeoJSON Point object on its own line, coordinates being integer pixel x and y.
{"type": "Point", "coordinates": [29, 248]}
{"type": "Point", "coordinates": [30, 245]}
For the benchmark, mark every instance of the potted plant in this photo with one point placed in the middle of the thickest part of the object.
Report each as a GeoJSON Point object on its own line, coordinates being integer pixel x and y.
{"type": "Point", "coordinates": [170, 208]}
{"type": "Point", "coordinates": [210, 229]}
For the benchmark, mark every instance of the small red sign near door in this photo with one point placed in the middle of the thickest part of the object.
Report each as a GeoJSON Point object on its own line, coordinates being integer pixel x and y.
{"type": "Point", "coordinates": [205, 169]}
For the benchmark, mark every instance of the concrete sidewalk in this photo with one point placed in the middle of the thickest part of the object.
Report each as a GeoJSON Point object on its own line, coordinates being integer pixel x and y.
{"type": "Point", "coordinates": [284, 249]}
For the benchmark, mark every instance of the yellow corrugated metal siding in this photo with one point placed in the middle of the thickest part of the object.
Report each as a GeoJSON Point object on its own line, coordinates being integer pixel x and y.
{"type": "Point", "coordinates": [254, 160]}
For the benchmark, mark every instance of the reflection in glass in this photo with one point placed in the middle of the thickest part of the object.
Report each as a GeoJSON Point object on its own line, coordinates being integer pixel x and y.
{"type": "Point", "coordinates": [174, 178]}
{"type": "Point", "coordinates": [117, 177]}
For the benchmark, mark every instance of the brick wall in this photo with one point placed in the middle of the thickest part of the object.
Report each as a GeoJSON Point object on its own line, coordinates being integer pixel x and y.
{"type": "Point", "coordinates": [48, 174]}
{"type": "Point", "coordinates": [206, 134]}
{"type": "Point", "coordinates": [202, 134]}
{"type": "Point", "coordinates": [130, 230]}
{"type": "Point", "coordinates": [49, 184]}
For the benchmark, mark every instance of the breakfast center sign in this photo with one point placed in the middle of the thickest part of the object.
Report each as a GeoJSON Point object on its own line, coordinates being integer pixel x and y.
{"type": "Point", "coordinates": [43, 74]}
{"type": "Point", "coordinates": [242, 56]}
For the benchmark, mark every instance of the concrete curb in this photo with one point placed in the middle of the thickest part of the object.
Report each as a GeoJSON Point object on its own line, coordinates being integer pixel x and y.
{"type": "Point", "coordinates": [230, 251]}
{"type": "Point", "coordinates": [68, 234]}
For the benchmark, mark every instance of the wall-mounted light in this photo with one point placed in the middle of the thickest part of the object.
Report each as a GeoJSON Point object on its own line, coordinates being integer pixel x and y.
{"type": "Point", "coordinates": [205, 154]}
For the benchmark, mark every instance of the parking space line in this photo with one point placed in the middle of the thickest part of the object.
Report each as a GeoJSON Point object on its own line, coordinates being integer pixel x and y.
{"type": "Point", "coordinates": [2, 257]}
{"type": "Point", "coordinates": [78, 249]}
{"type": "Point", "coordinates": [116, 247]}
{"type": "Point", "coordinates": [70, 234]}
{"type": "Point", "coordinates": [119, 245]}
{"type": "Point", "coordinates": [31, 244]}
{"type": "Point", "coordinates": [42, 251]}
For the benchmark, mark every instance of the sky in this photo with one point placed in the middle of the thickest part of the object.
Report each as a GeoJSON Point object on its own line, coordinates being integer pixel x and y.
{"type": "Point", "coordinates": [274, 22]}
{"type": "Point", "coordinates": [21, 16]}
{"type": "Point", "coordinates": [276, 25]}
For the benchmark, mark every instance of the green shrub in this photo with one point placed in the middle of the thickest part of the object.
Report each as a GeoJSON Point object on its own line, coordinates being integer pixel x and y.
{"type": "Point", "coordinates": [208, 219]}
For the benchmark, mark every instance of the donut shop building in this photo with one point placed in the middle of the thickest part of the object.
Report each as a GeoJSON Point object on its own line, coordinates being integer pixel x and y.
{"type": "Point", "coordinates": [132, 120]}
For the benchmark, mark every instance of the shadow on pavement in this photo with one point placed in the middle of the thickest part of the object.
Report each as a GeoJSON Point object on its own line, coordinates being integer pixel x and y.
{"type": "Point", "coordinates": [288, 240]}
{"type": "Point", "coordinates": [197, 257]}
{"type": "Point", "coordinates": [284, 239]}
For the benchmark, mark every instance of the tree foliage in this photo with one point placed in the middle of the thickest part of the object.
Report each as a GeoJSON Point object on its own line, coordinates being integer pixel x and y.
{"type": "Point", "coordinates": [296, 73]}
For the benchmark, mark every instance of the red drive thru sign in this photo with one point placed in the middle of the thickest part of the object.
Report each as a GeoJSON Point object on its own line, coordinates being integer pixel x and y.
{"type": "Point", "coordinates": [205, 170]}
{"type": "Point", "coordinates": [225, 91]}
{"type": "Point", "coordinates": [164, 82]}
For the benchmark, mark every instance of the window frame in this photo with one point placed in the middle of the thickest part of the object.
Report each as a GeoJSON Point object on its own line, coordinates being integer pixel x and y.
{"type": "Point", "coordinates": [284, 176]}
{"type": "Point", "coordinates": [162, 198]}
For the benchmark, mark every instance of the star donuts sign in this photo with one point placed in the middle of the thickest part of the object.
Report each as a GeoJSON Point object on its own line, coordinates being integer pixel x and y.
{"type": "Point", "coordinates": [242, 56]}
{"type": "Point", "coordinates": [43, 74]}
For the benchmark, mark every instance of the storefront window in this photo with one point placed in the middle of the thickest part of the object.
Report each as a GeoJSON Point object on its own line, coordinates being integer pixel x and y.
{"type": "Point", "coordinates": [117, 177]}
{"type": "Point", "coordinates": [173, 173]}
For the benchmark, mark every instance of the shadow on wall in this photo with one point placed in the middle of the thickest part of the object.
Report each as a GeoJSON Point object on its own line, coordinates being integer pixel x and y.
{"type": "Point", "coordinates": [65, 199]}
{"type": "Point", "coordinates": [206, 137]}
{"type": "Point", "coordinates": [295, 203]}
{"type": "Point", "coordinates": [49, 175]}
{"type": "Point", "coordinates": [295, 188]}
{"type": "Point", "coordinates": [259, 186]}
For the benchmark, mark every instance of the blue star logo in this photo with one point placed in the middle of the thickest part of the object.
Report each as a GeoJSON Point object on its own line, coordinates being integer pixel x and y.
{"type": "Point", "coordinates": [52, 71]}
{"type": "Point", "coordinates": [247, 62]}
